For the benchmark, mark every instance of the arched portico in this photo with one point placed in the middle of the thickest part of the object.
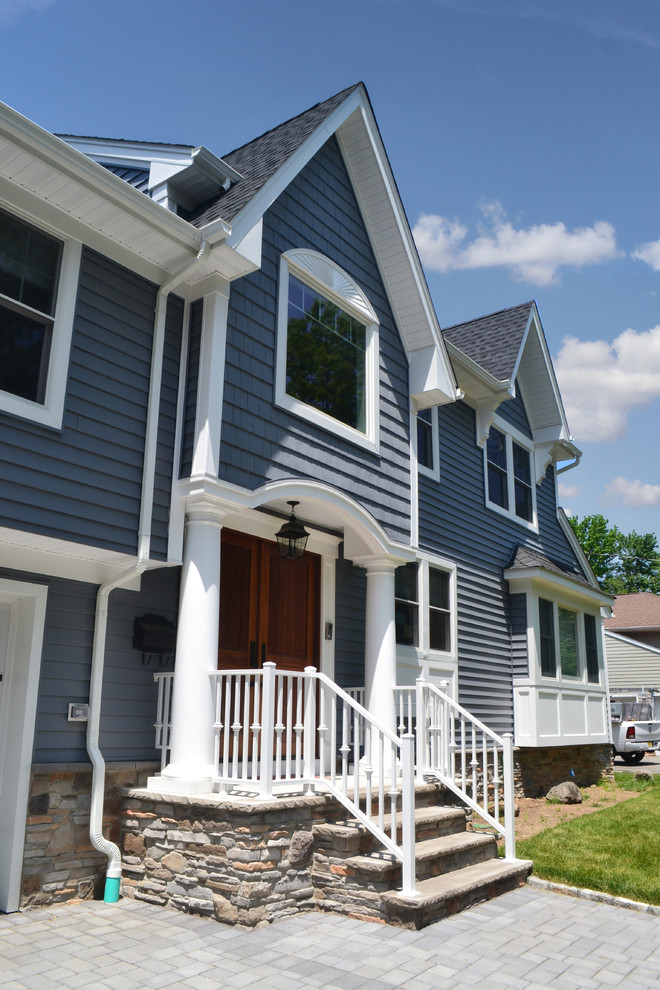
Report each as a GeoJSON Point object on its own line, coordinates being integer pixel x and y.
{"type": "Point", "coordinates": [332, 518]}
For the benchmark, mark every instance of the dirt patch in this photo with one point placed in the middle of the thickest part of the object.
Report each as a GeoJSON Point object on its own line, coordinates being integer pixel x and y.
{"type": "Point", "coordinates": [534, 815]}
{"type": "Point", "coordinates": [537, 814]}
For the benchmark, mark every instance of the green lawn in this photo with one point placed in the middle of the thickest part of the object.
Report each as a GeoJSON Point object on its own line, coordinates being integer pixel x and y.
{"type": "Point", "coordinates": [616, 850]}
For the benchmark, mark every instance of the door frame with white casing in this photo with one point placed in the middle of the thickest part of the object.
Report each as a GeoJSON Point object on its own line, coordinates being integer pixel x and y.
{"type": "Point", "coordinates": [22, 622]}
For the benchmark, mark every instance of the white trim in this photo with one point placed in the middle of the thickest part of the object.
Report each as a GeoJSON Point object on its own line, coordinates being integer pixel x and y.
{"type": "Point", "coordinates": [511, 435]}
{"type": "Point", "coordinates": [51, 410]}
{"type": "Point", "coordinates": [17, 722]}
{"type": "Point", "coordinates": [334, 283]}
{"type": "Point", "coordinates": [438, 663]}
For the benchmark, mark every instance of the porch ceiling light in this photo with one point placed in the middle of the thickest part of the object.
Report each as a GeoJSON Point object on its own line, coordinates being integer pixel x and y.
{"type": "Point", "coordinates": [292, 537]}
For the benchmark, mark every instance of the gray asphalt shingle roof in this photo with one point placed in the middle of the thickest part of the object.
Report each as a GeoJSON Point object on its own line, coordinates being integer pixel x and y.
{"type": "Point", "coordinates": [525, 557]}
{"type": "Point", "coordinates": [261, 158]}
{"type": "Point", "coordinates": [493, 341]}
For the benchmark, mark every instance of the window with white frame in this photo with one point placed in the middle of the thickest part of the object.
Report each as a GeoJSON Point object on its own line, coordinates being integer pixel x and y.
{"type": "Point", "coordinates": [568, 642]}
{"type": "Point", "coordinates": [510, 484]}
{"type": "Point", "coordinates": [424, 607]}
{"type": "Point", "coordinates": [327, 348]}
{"type": "Point", "coordinates": [428, 461]}
{"type": "Point", "coordinates": [38, 276]}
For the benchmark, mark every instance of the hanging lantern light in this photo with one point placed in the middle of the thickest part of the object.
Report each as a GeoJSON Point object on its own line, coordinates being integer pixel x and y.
{"type": "Point", "coordinates": [292, 537]}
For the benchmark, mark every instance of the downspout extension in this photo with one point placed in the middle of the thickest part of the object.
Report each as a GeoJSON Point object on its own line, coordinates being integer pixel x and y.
{"type": "Point", "coordinates": [99, 842]}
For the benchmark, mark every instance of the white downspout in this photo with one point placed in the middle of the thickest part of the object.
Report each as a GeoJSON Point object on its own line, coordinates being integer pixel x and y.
{"type": "Point", "coordinates": [103, 845]}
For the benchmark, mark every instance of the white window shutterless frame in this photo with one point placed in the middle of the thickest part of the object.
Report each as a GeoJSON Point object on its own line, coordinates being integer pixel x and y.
{"type": "Point", "coordinates": [20, 266]}
{"type": "Point", "coordinates": [349, 336]}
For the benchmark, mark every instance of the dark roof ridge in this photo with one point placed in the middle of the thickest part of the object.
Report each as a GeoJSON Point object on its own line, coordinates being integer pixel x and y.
{"type": "Point", "coordinates": [488, 316]}
{"type": "Point", "coordinates": [271, 130]}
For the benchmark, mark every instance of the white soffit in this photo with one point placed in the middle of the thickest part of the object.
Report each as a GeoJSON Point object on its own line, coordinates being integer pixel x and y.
{"type": "Point", "coordinates": [38, 168]}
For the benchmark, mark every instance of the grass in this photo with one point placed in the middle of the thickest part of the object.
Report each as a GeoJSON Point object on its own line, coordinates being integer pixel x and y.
{"type": "Point", "coordinates": [615, 850]}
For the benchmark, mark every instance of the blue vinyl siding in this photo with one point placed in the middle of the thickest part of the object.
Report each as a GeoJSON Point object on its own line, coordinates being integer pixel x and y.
{"type": "Point", "coordinates": [513, 411]}
{"type": "Point", "coordinates": [518, 620]}
{"type": "Point", "coordinates": [129, 690]}
{"type": "Point", "coordinates": [454, 522]}
{"type": "Point", "coordinates": [261, 442]}
{"type": "Point", "coordinates": [83, 483]}
{"type": "Point", "coordinates": [167, 429]}
{"type": "Point", "coordinates": [192, 375]}
{"type": "Point", "coordinates": [351, 596]}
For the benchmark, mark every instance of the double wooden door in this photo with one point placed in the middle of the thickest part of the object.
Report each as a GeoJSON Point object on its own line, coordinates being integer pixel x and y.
{"type": "Point", "coordinates": [269, 606]}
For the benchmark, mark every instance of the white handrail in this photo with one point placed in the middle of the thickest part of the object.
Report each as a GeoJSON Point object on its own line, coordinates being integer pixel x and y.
{"type": "Point", "coordinates": [294, 731]}
{"type": "Point", "coordinates": [463, 754]}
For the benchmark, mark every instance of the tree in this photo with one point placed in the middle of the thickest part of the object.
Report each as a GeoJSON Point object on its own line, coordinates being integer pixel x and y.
{"type": "Point", "coordinates": [623, 563]}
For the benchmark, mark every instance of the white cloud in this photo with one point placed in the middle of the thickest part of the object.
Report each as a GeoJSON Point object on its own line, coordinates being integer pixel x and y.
{"type": "Point", "coordinates": [532, 254]}
{"type": "Point", "coordinates": [601, 382]}
{"type": "Point", "coordinates": [621, 491]}
{"type": "Point", "coordinates": [569, 491]}
{"type": "Point", "coordinates": [11, 10]}
{"type": "Point", "coordinates": [650, 253]}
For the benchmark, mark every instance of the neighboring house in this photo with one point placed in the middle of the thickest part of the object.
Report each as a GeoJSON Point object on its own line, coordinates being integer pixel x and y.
{"type": "Point", "coordinates": [190, 344]}
{"type": "Point", "coordinates": [632, 643]}
{"type": "Point", "coordinates": [636, 616]}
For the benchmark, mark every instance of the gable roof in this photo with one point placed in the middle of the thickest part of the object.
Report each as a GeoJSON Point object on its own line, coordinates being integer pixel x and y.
{"type": "Point", "coordinates": [258, 160]}
{"type": "Point", "coordinates": [494, 341]}
{"type": "Point", "coordinates": [640, 610]}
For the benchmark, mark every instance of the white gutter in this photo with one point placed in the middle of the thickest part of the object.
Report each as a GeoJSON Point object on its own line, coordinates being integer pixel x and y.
{"type": "Point", "coordinates": [103, 845]}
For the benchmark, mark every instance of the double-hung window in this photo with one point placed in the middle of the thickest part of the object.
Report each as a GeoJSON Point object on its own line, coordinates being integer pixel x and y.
{"type": "Point", "coordinates": [327, 348]}
{"type": "Point", "coordinates": [509, 476]}
{"type": "Point", "coordinates": [424, 607]}
{"type": "Point", "coordinates": [568, 644]}
{"type": "Point", "coordinates": [38, 279]}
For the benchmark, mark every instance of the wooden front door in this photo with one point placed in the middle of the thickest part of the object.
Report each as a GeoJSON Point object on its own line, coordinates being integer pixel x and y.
{"type": "Point", "coordinates": [269, 607]}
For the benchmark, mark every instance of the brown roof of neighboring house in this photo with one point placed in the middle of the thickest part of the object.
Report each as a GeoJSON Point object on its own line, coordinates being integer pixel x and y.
{"type": "Point", "coordinates": [637, 611]}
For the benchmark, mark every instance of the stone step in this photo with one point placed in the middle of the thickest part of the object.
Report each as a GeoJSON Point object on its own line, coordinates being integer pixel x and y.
{"type": "Point", "coordinates": [353, 837]}
{"type": "Point", "coordinates": [441, 896]}
{"type": "Point", "coordinates": [433, 857]}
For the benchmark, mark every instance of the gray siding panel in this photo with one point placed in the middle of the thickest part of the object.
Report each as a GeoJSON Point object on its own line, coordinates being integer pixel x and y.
{"type": "Point", "coordinates": [192, 376]}
{"type": "Point", "coordinates": [518, 619]}
{"type": "Point", "coordinates": [166, 429]}
{"type": "Point", "coordinates": [129, 691]}
{"type": "Point", "coordinates": [83, 483]}
{"type": "Point", "coordinates": [454, 522]}
{"type": "Point", "coordinates": [351, 595]}
{"type": "Point", "coordinates": [261, 442]}
{"type": "Point", "coordinates": [513, 412]}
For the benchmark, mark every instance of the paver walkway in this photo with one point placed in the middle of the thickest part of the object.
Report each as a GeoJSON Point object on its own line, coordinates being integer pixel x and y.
{"type": "Point", "coordinates": [526, 940]}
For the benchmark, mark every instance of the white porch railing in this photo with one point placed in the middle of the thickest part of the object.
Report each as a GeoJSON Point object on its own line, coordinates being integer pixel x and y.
{"type": "Point", "coordinates": [163, 723]}
{"type": "Point", "coordinates": [285, 731]}
{"type": "Point", "coordinates": [461, 752]}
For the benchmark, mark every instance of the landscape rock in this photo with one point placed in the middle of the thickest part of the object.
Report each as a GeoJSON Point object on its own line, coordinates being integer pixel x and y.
{"type": "Point", "coordinates": [565, 793]}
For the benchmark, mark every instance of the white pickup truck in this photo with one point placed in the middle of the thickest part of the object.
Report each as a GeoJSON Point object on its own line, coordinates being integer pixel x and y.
{"type": "Point", "coordinates": [635, 729]}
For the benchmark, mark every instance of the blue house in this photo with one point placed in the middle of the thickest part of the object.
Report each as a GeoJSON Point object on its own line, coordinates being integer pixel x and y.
{"type": "Point", "coordinates": [236, 443]}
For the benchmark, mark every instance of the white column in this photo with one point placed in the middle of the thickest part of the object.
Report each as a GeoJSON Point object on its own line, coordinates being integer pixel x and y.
{"type": "Point", "coordinates": [191, 755]}
{"type": "Point", "coordinates": [380, 641]}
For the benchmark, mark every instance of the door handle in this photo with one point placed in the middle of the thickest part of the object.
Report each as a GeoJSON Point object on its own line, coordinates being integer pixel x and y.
{"type": "Point", "coordinates": [263, 654]}
{"type": "Point", "coordinates": [253, 654]}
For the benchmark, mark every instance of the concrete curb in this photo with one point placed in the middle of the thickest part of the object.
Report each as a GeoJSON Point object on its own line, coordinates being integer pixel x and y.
{"type": "Point", "coordinates": [594, 895]}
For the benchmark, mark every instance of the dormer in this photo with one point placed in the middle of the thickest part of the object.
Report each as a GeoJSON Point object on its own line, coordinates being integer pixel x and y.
{"type": "Point", "coordinates": [179, 177]}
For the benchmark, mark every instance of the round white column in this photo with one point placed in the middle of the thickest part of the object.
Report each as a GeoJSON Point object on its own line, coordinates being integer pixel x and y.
{"type": "Point", "coordinates": [191, 754]}
{"type": "Point", "coordinates": [380, 641]}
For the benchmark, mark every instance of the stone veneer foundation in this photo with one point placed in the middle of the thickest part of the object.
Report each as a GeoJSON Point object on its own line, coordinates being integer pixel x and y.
{"type": "Point", "coordinates": [536, 770]}
{"type": "Point", "coordinates": [59, 862]}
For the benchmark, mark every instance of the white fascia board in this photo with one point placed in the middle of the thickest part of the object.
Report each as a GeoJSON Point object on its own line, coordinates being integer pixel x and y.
{"type": "Point", "coordinates": [535, 322]}
{"type": "Point", "coordinates": [35, 554]}
{"type": "Point", "coordinates": [83, 170]}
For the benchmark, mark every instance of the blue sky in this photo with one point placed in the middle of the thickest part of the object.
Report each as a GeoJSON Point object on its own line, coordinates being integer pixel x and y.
{"type": "Point", "coordinates": [523, 135]}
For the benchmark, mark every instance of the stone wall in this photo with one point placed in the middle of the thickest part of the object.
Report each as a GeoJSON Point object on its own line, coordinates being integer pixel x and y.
{"type": "Point", "coordinates": [536, 770]}
{"type": "Point", "coordinates": [241, 861]}
{"type": "Point", "coordinates": [59, 861]}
